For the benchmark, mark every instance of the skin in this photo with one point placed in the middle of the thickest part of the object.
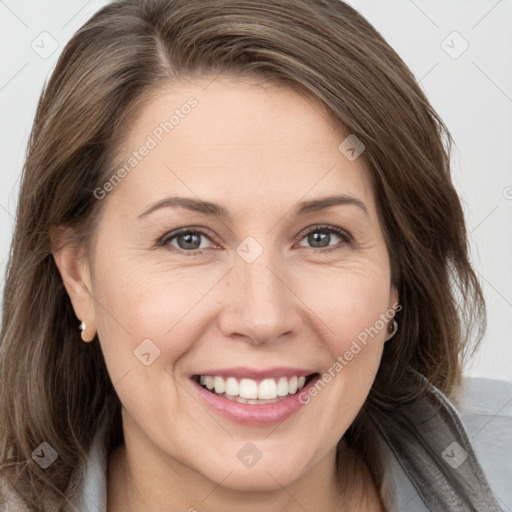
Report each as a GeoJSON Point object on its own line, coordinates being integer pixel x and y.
{"type": "Point", "coordinates": [257, 149]}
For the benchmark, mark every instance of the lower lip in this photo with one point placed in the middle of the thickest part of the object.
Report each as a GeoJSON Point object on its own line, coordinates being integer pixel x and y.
{"type": "Point", "coordinates": [246, 414]}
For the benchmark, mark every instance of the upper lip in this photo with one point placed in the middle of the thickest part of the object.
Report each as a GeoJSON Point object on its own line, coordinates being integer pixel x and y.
{"type": "Point", "coordinates": [256, 373]}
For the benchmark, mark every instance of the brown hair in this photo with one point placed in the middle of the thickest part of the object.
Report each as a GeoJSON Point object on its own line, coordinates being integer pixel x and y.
{"type": "Point", "coordinates": [53, 387]}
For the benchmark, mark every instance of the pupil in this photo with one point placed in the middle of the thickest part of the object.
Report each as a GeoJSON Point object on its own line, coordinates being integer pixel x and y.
{"type": "Point", "coordinates": [318, 236]}
{"type": "Point", "coordinates": [190, 239]}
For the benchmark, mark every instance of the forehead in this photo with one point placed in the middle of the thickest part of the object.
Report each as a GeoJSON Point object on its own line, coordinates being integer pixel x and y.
{"type": "Point", "coordinates": [232, 138]}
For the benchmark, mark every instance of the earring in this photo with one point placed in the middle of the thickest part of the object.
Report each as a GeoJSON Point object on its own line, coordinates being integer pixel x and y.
{"type": "Point", "coordinates": [83, 327]}
{"type": "Point", "coordinates": [393, 327]}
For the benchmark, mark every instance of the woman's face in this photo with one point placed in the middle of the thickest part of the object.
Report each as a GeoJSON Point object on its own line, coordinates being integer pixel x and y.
{"type": "Point", "coordinates": [264, 287]}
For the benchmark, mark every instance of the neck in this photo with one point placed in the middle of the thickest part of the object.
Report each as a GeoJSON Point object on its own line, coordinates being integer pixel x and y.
{"type": "Point", "coordinates": [135, 484]}
{"type": "Point", "coordinates": [357, 488]}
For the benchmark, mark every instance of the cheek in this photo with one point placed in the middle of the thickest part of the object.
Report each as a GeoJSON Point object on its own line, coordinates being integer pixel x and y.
{"type": "Point", "coordinates": [351, 303]}
{"type": "Point", "coordinates": [354, 310]}
{"type": "Point", "coordinates": [143, 332]}
{"type": "Point", "coordinates": [141, 310]}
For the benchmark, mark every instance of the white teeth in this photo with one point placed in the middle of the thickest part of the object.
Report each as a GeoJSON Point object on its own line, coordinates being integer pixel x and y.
{"type": "Point", "coordinates": [231, 386]}
{"type": "Point", "coordinates": [282, 387]}
{"type": "Point", "coordinates": [220, 385]}
{"type": "Point", "coordinates": [209, 382]}
{"type": "Point", "coordinates": [292, 385]}
{"type": "Point", "coordinates": [267, 389]}
{"type": "Point", "coordinates": [249, 391]}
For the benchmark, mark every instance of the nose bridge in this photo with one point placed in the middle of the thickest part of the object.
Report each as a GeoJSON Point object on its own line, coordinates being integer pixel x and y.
{"type": "Point", "coordinates": [263, 285]}
{"type": "Point", "coordinates": [261, 303]}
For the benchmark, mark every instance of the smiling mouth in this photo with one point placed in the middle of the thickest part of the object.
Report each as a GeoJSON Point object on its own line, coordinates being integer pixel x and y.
{"type": "Point", "coordinates": [250, 391]}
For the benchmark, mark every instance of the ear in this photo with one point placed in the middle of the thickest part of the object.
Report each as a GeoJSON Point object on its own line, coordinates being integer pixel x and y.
{"type": "Point", "coordinates": [74, 269]}
{"type": "Point", "coordinates": [394, 299]}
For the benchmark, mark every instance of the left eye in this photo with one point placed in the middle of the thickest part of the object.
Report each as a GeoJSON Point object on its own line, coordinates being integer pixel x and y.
{"type": "Point", "coordinates": [320, 236]}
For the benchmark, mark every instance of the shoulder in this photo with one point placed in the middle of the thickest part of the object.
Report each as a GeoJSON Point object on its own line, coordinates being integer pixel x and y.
{"type": "Point", "coordinates": [485, 406]}
{"type": "Point", "coordinates": [433, 451]}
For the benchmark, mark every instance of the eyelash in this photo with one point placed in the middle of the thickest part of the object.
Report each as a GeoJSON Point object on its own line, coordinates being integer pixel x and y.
{"type": "Point", "coordinates": [345, 237]}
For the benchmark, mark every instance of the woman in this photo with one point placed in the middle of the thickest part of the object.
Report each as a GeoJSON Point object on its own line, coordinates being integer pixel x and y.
{"type": "Point", "coordinates": [245, 209]}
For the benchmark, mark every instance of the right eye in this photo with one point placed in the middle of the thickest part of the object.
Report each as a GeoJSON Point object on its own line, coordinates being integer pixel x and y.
{"type": "Point", "coordinates": [185, 240]}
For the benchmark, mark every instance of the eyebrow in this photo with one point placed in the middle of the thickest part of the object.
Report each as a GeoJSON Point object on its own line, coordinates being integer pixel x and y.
{"type": "Point", "coordinates": [216, 210]}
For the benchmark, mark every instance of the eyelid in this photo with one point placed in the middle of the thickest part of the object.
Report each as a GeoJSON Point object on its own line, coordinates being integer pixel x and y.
{"type": "Point", "coordinates": [326, 227]}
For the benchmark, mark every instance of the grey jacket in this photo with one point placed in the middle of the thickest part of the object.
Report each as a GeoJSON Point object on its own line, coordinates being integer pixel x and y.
{"type": "Point", "coordinates": [430, 459]}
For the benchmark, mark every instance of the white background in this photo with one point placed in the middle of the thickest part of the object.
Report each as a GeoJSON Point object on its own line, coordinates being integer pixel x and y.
{"type": "Point", "coordinates": [472, 93]}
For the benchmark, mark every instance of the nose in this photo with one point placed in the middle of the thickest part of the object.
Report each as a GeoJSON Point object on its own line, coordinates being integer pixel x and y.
{"type": "Point", "coordinates": [259, 306]}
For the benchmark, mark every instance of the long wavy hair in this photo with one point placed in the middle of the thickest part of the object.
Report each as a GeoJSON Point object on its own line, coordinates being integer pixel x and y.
{"type": "Point", "coordinates": [53, 387]}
